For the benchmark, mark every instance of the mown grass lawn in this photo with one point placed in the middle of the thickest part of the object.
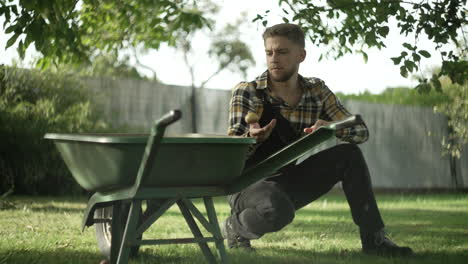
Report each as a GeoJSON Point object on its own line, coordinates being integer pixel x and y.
{"type": "Point", "coordinates": [47, 230]}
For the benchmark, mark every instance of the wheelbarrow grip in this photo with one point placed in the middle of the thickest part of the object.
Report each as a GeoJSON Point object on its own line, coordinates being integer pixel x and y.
{"type": "Point", "coordinates": [348, 122]}
{"type": "Point", "coordinates": [169, 118]}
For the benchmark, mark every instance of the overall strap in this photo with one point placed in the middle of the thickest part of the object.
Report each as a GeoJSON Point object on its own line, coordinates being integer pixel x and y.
{"type": "Point", "coordinates": [282, 134]}
{"type": "Point", "coordinates": [283, 128]}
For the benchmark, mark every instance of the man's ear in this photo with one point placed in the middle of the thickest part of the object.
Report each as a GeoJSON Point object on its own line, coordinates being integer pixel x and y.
{"type": "Point", "coordinates": [302, 56]}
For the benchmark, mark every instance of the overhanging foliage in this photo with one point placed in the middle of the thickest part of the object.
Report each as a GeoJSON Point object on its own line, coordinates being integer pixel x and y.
{"type": "Point", "coordinates": [72, 30]}
{"type": "Point", "coordinates": [346, 26]}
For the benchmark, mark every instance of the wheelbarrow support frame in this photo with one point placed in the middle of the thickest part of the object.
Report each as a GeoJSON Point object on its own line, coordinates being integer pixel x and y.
{"type": "Point", "coordinates": [122, 242]}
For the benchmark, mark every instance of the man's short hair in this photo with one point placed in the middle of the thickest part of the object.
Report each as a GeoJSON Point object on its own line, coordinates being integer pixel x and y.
{"type": "Point", "coordinates": [290, 31]}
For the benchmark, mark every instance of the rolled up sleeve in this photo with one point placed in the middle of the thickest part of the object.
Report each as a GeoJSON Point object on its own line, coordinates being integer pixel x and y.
{"type": "Point", "coordinates": [240, 105]}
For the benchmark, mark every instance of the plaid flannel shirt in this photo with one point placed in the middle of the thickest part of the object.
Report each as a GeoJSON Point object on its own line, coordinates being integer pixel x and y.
{"type": "Point", "coordinates": [317, 102]}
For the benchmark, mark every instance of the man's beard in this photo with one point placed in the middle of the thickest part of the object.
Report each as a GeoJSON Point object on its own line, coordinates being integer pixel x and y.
{"type": "Point", "coordinates": [284, 77]}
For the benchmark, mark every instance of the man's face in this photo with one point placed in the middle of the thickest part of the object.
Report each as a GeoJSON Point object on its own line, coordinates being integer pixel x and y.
{"type": "Point", "coordinates": [283, 58]}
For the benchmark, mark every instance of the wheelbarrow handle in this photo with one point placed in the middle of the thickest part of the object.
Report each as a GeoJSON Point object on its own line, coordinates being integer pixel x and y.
{"type": "Point", "coordinates": [151, 149]}
{"type": "Point", "coordinates": [347, 122]}
{"type": "Point", "coordinates": [169, 118]}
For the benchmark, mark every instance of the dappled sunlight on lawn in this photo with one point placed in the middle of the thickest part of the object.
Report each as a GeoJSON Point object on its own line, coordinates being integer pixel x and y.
{"type": "Point", "coordinates": [435, 226]}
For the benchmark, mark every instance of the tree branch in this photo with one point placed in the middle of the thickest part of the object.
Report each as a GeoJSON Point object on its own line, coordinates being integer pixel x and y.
{"type": "Point", "coordinates": [190, 67]}
{"type": "Point", "coordinates": [142, 65]}
{"type": "Point", "coordinates": [202, 85]}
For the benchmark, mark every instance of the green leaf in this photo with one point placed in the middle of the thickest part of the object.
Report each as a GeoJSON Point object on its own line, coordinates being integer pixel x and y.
{"type": "Point", "coordinates": [6, 11]}
{"type": "Point", "coordinates": [14, 9]}
{"type": "Point", "coordinates": [416, 57]}
{"type": "Point", "coordinates": [383, 31]}
{"type": "Point", "coordinates": [10, 29]}
{"type": "Point", "coordinates": [370, 39]}
{"type": "Point", "coordinates": [396, 60]}
{"type": "Point", "coordinates": [259, 17]}
{"type": "Point", "coordinates": [44, 63]}
{"type": "Point", "coordinates": [285, 20]}
{"type": "Point", "coordinates": [404, 71]}
{"type": "Point", "coordinates": [402, 12]}
{"type": "Point", "coordinates": [436, 83]}
{"type": "Point", "coordinates": [342, 40]}
{"type": "Point", "coordinates": [264, 23]}
{"type": "Point", "coordinates": [12, 41]}
{"type": "Point", "coordinates": [408, 46]}
{"type": "Point", "coordinates": [418, 87]}
{"type": "Point", "coordinates": [423, 88]}
{"type": "Point", "coordinates": [409, 66]}
{"type": "Point", "coordinates": [425, 53]}
{"type": "Point", "coordinates": [21, 49]}
{"type": "Point", "coordinates": [414, 65]}
{"type": "Point", "coordinates": [365, 56]}
{"type": "Point", "coordinates": [352, 39]}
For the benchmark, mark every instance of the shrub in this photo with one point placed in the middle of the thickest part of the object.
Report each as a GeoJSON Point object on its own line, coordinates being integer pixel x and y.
{"type": "Point", "coordinates": [399, 96]}
{"type": "Point", "coordinates": [453, 102]}
{"type": "Point", "coordinates": [33, 103]}
{"type": "Point", "coordinates": [456, 109]}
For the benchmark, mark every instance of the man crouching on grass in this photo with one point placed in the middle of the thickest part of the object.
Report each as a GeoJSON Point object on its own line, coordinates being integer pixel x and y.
{"type": "Point", "coordinates": [290, 105]}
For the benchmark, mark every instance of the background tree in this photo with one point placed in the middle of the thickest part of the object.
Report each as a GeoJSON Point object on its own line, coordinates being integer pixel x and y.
{"type": "Point", "coordinates": [105, 65]}
{"type": "Point", "coordinates": [72, 31]}
{"type": "Point", "coordinates": [226, 49]}
{"type": "Point", "coordinates": [453, 103]}
{"type": "Point", "coordinates": [346, 26]}
{"type": "Point", "coordinates": [456, 110]}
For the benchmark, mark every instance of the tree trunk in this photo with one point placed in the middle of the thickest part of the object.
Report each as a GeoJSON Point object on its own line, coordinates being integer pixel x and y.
{"type": "Point", "coordinates": [193, 107]}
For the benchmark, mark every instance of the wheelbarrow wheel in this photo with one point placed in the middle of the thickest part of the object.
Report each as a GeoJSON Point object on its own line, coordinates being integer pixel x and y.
{"type": "Point", "coordinates": [104, 229]}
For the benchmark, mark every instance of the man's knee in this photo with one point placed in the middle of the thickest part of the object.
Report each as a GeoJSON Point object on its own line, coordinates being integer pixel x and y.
{"type": "Point", "coordinates": [277, 210]}
{"type": "Point", "coordinates": [265, 208]}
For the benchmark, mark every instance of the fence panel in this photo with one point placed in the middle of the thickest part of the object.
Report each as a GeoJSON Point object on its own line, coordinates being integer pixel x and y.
{"type": "Point", "coordinates": [403, 150]}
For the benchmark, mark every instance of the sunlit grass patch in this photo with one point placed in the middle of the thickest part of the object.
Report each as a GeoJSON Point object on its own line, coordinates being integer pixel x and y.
{"type": "Point", "coordinates": [47, 230]}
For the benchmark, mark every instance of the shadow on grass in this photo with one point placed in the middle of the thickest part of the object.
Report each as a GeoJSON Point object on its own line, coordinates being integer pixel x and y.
{"type": "Point", "coordinates": [443, 232]}
{"type": "Point", "coordinates": [54, 209]}
{"type": "Point", "coordinates": [28, 256]}
{"type": "Point", "coordinates": [280, 255]}
{"type": "Point", "coordinates": [419, 228]}
{"type": "Point", "coordinates": [82, 199]}
{"type": "Point", "coordinates": [291, 255]}
{"type": "Point", "coordinates": [428, 216]}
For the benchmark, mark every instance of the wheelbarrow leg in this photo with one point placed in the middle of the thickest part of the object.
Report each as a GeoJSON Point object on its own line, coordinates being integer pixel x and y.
{"type": "Point", "coordinates": [129, 235]}
{"type": "Point", "coordinates": [116, 226]}
{"type": "Point", "coordinates": [210, 210]}
{"type": "Point", "coordinates": [196, 232]}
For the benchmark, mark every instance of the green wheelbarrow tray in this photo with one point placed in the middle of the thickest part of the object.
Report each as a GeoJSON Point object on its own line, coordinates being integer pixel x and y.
{"type": "Point", "coordinates": [122, 170]}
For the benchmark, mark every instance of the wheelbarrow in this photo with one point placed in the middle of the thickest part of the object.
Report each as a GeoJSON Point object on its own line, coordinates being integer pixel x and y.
{"type": "Point", "coordinates": [125, 170]}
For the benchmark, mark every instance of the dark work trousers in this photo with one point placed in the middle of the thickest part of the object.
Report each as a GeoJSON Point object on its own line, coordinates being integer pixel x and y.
{"type": "Point", "coordinates": [269, 205]}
